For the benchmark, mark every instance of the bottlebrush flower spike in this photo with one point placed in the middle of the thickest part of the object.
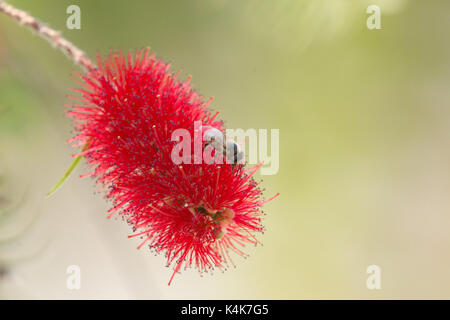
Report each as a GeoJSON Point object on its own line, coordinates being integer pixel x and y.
{"type": "Point", "coordinates": [196, 214]}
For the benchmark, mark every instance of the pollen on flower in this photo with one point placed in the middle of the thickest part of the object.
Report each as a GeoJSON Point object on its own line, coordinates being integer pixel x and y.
{"type": "Point", "coordinates": [197, 215]}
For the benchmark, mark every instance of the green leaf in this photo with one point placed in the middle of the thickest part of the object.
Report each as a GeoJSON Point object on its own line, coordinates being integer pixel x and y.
{"type": "Point", "coordinates": [66, 175]}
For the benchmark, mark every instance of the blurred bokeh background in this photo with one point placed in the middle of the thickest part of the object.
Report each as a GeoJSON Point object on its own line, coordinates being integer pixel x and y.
{"type": "Point", "coordinates": [364, 125]}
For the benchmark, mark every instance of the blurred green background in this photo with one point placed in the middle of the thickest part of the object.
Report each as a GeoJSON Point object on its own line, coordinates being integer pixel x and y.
{"type": "Point", "coordinates": [364, 160]}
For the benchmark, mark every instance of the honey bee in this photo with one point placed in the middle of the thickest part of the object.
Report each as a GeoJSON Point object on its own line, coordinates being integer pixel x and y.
{"type": "Point", "coordinates": [231, 150]}
{"type": "Point", "coordinates": [234, 152]}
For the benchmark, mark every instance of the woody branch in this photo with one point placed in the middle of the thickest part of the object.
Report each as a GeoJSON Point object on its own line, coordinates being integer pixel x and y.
{"type": "Point", "coordinates": [49, 34]}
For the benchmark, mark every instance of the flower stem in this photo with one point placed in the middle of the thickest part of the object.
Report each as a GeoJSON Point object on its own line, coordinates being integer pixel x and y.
{"type": "Point", "coordinates": [49, 34]}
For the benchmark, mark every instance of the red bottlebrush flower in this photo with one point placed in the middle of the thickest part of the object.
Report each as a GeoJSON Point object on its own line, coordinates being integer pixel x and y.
{"type": "Point", "coordinates": [194, 213]}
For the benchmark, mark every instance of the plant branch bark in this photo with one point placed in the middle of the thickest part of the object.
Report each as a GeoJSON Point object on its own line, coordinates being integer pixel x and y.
{"type": "Point", "coordinates": [49, 34]}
